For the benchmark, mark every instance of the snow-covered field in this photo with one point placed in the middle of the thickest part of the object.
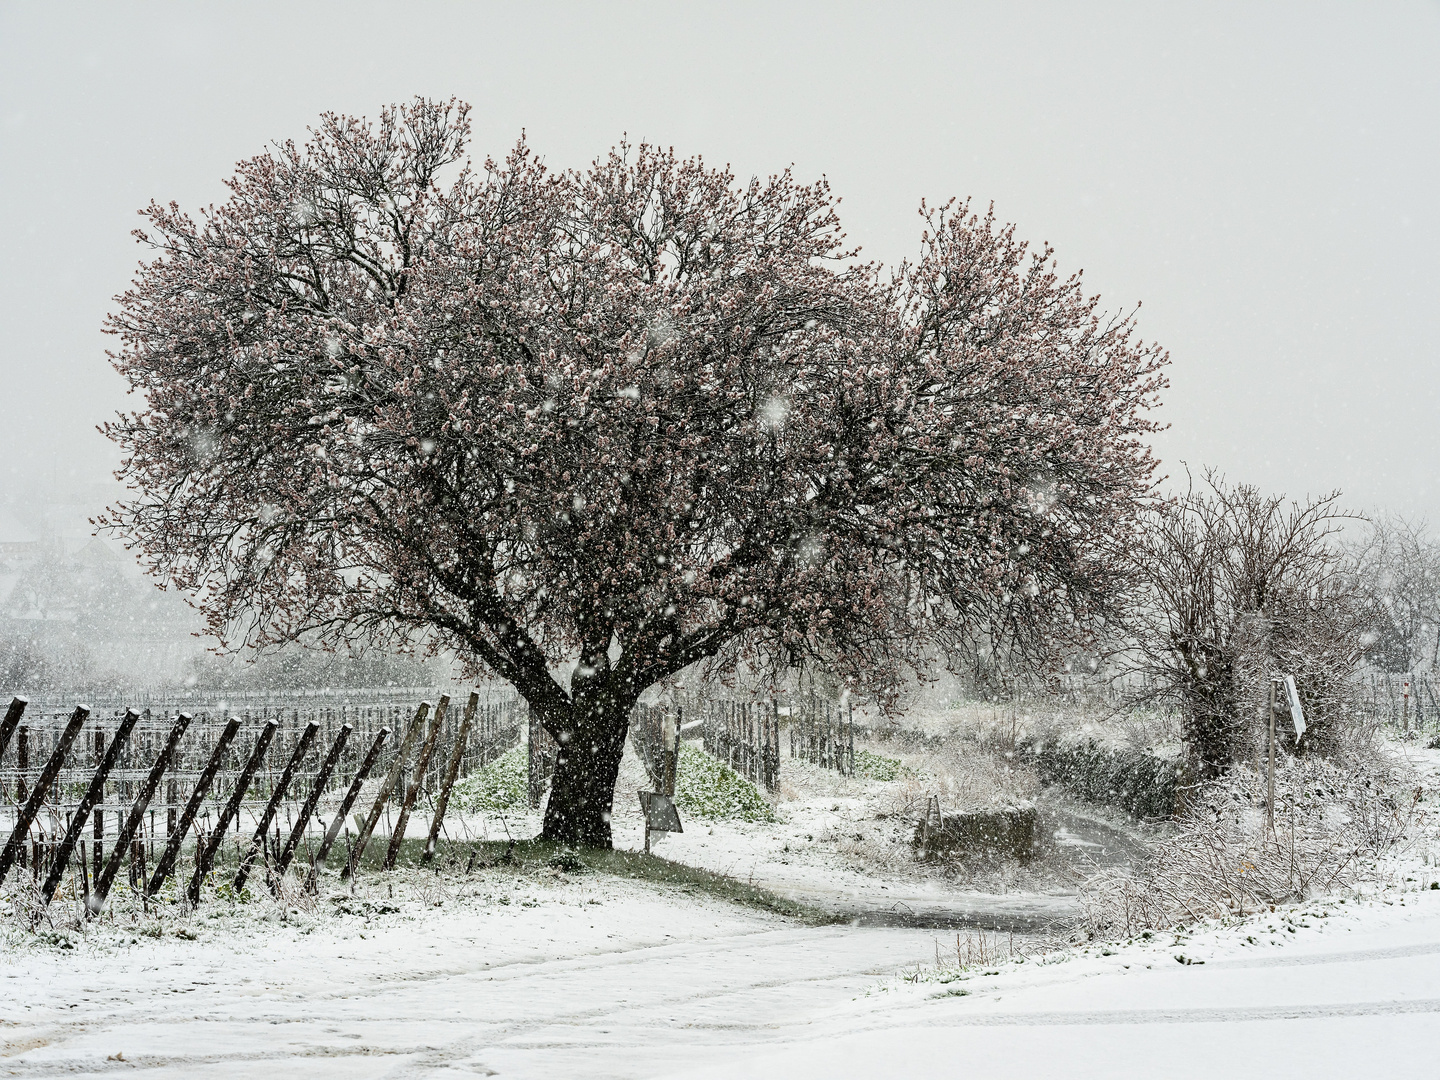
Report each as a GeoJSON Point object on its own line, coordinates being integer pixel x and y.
{"type": "Point", "coordinates": [1327, 990]}
{"type": "Point", "coordinates": [607, 978]}
{"type": "Point", "coordinates": [563, 974]}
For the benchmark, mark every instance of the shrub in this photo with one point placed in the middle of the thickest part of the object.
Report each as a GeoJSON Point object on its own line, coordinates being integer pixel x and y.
{"type": "Point", "coordinates": [872, 766]}
{"type": "Point", "coordinates": [503, 786]}
{"type": "Point", "coordinates": [1137, 781]}
{"type": "Point", "coordinates": [708, 788]}
{"type": "Point", "coordinates": [1222, 860]}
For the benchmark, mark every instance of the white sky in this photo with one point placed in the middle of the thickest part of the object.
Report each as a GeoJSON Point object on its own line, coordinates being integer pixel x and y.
{"type": "Point", "coordinates": [1263, 177]}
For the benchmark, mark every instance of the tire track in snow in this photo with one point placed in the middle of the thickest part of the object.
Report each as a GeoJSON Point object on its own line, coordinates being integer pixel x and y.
{"type": "Point", "coordinates": [557, 997]}
{"type": "Point", "coordinates": [1399, 952]}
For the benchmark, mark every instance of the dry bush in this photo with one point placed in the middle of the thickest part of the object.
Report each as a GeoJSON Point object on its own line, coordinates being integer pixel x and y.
{"type": "Point", "coordinates": [1143, 730]}
{"type": "Point", "coordinates": [965, 775]}
{"type": "Point", "coordinates": [1221, 859]}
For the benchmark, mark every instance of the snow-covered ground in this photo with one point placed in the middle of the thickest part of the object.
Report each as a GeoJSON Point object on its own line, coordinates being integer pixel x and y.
{"type": "Point", "coordinates": [544, 973]}
{"type": "Point", "coordinates": [1326, 990]}
{"type": "Point", "coordinates": [841, 845]}
{"type": "Point", "coordinates": [607, 978]}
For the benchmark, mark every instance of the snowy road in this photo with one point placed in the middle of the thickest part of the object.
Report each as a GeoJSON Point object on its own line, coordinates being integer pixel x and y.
{"type": "Point", "coordinates": [1346, 994]}
{"type": "Point", "coordinates": [645, 986]}
{"type": "Point", "coordinates": [609, 979]}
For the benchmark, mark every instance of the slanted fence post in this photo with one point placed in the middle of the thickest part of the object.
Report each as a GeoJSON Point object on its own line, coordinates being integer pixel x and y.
{"type": "Point", "coordinates": [303, 819]}
{"type": "Point", "coordinates": [93, 794]}
{"type": "Point", "coordinates": [137, 812]}
{"type": "Point", "coordinates": [412, 792]}
{"type": "Point", "coordinates": [11, 721]}
{"type": "Point", "coordinates": [338, 821]}
{"type": "Point", "coordinates": [257, 842]}
{"type": "Point", "coordinates": [383, 795]}
{"type": "Point", "coordinates": [205, 859]}
{"type": "Point", "coordinates": [197, 799]}
{"type": "Point", "coordinates": [15, 846]}
{"type": "Point", "coordinates": [452, 771]}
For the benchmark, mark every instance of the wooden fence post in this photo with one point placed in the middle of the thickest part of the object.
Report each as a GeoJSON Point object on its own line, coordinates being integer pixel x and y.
{"type": "Point", "coordinates": [338, 821]}
{"type": "Point", "coordinates": [326, 768]}
{"type": "Point", "coordinates": [93, 794]}
{"type": "Point", "coordinates": [850, 736]}
{"type": "Point", "coordinates": [205, 860]}
{"type": "Point", "coordinates": [137, 812]}
{"type": "Point", "coordinates": [412, 792]}
{"type": "Point", "coordinates": [11, 721]}
{"type": "Point", "coordinates": [257, 843]}
{"type": "Point", "coordinates": [192, 808]}
{"type": "Point", "coordinates": [367, 827]}
{"type": "Point", "coordinates": [16, 844]}
{"type": "Point", "coordinates": [452, 771]}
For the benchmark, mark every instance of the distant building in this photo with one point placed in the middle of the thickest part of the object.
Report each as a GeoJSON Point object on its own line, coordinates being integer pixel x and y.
{"type": "Point", "coordinates": [18, 542]}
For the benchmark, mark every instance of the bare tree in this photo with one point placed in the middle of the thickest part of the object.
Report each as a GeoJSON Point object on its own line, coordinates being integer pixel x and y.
{"type": "Point", "coordinates": [1399, 568]}
{"type": "Point", "coordinates": [1234, 586]}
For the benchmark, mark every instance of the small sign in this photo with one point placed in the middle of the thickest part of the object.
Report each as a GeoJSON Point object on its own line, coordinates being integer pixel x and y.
{"type": "Point", "coordinates": [1297, 714]}
{"type": "Point", "coordinates": [660, 813]}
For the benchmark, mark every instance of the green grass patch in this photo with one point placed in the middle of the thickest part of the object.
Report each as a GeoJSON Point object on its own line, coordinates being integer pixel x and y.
{"type": "Point", "coordinates": [707, 788]}
{"type": "Point", "coordinates": [539, 856]}
{"type": "Point", "coordinates": [873, 766]}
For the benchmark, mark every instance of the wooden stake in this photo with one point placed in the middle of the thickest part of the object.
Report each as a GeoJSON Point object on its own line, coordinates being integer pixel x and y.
{"type": "Point", "coordinates": [11, 721]}
{"type": "Point", "coordinates": [15, 846]}
{"type": "Point", "coordinates": [137, 812]}
{"type": "Point", "coordinates": [257, 842]}
{"type": "Point", "coordinates": [338, 821]}
{"type": "Point", "coordinates": [171, 853]}
{"type": "Point", "coordinates": [367, 827]}
{"type": "Point", "coordinates": [452, 771]}
{"type": "Point", "coordinates": [412, 792]}
{"type": "Point", "coordinates": [84, 874]}
{"type": "Point", "coordinates": [205, 858]}
{"type": "Point", "coordinates": [308, 809]}
{"type": "Point", "coordinates": [93, 794]}
{"type": "Point", "coordinates": [1270, 786]}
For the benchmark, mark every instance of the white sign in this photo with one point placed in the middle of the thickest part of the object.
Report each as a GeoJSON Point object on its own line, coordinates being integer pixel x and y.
{"type": "Point", "coordinates": [1297, 714]}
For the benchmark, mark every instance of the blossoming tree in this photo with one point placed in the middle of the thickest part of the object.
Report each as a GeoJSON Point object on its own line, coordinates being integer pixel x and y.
{"type": "Point", "coordinates": [588, 428]}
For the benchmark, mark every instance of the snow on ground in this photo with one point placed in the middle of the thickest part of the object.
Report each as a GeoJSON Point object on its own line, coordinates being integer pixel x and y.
{"type": "Point", "coordinates": [829, 850]}
{"type": "Point", "coordinates": [555, 974]}
{"type": "Point", "coordinates": [588, 976]}
{"type": "Point", "coordinates": [609, 978]}
{"type": "Point", "coordinates": [1328, 990]}
{"type": "Point", "coordinates": [843, 844]}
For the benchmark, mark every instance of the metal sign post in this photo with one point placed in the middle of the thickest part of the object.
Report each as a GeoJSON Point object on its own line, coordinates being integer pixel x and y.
{"type": "Point", "coordinates": [660, 815]}
{"type": "Point", "coordinates": [1270, 784]}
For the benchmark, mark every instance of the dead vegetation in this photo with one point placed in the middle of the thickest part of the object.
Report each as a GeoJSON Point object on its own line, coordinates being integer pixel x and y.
{"type": "Point", "coordinates": [1221, 858]}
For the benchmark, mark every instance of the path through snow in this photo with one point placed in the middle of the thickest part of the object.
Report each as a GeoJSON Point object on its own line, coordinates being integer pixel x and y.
{"type": "Point", "coordinates": [639, 985]}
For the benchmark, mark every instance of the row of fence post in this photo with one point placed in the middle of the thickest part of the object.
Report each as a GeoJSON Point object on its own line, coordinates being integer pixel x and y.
{"type": "Point", "coordinates": [746, 736]}
{"type": "Point", "coordinates": [824, 735]}
{"type": "Point", "coordinates": [53, 855]}
{"type": "Point", "coordinates": [1406, 701]}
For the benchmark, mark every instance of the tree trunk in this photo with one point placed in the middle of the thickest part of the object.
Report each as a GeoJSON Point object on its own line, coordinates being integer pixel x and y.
{"type": "Point", "coordinates": [591, 735]}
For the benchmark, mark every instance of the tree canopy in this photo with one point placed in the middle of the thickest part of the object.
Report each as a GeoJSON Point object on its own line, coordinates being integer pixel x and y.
{"type": "Point", "coordinates": [629, 418]}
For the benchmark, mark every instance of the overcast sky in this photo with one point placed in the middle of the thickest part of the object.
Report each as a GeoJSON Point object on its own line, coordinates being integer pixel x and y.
{"type": "Point", "coordinates": [1264, 177]}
